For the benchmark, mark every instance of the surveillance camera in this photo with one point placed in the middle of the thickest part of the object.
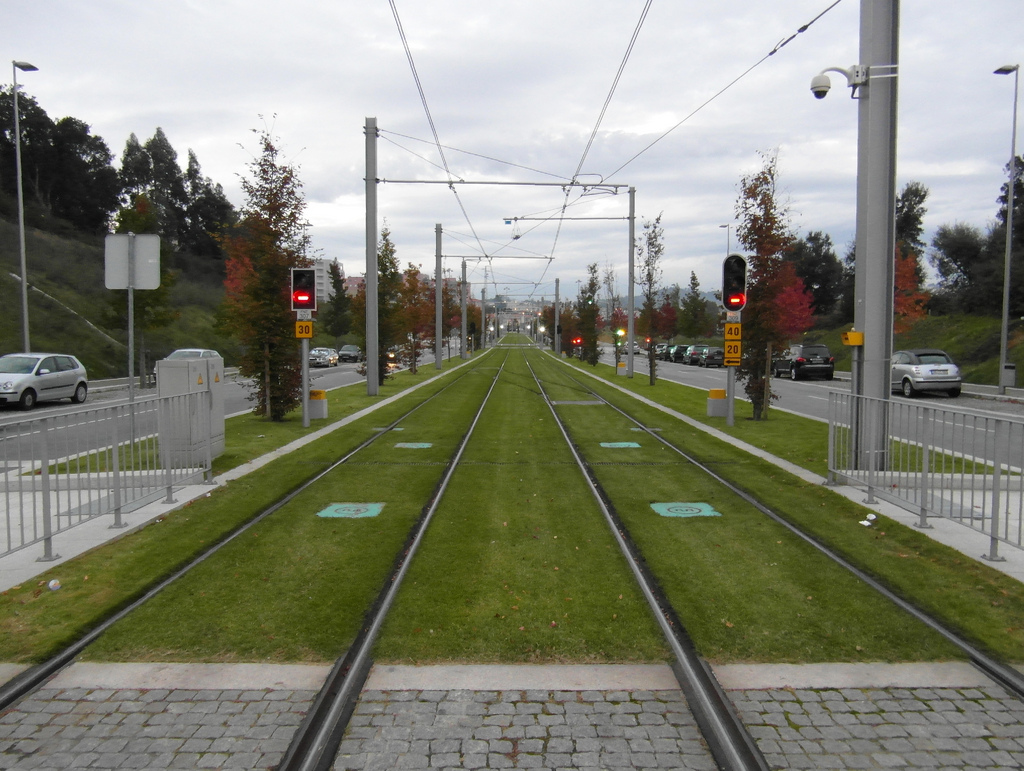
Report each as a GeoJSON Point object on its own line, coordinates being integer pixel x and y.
{"type": "Point", "coordinates": [820, 84]}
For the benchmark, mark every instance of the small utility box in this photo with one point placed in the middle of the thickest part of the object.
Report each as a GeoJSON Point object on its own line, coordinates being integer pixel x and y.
{"type": "Point", "coordinates": [718, 405]}
{"type": "Point", "coordinates": [621, 368]}
{"type": "Point", "coordinates": [1008, 375]}
{"type": "Point", "coordinates": [317, 404]}
{"type": "Point", "coordinates": [183, 430]}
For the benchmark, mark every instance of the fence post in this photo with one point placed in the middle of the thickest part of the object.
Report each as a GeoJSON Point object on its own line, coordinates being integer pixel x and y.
{"type": "Point", "coordinates": [208, 404]}
{"type": "Point", "coordinates": [44, 478]}
{"type": "Point", "coordinates": [115, 461]}
{"type": "Point", "coordinates": [997, 480]}
{"type": "Point", "coordinates": [165, 450]}
{"type": "Point", "coordinates": [925, 487]}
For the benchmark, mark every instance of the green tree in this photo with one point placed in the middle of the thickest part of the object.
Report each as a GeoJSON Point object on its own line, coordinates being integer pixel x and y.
{"type": "Point", "coordinates": [649, 250]}
{"type": "Point", "coordinates": [773, 312]}
{"type": "Point", "coordinates": [416, 303]}
{"type": "Point", "coordinates": [206, 214]}
{"type": "Point", "coordinates": [270, 239]}
{"type": "Point", "coordinates": [336, 316]}
{"type": "Point", "coordinates": [389, 322]}
{"type": "Point", "coordinates": [819, 268]}
{"type": "Point", "coordinates": [587, 313]}
{"type": "Point", "coordinates": [695, 321]}
{"type": "Point", "coordinates": [66, 170]}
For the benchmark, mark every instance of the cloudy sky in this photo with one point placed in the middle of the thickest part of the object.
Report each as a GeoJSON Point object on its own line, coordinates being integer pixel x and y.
{"type": "Point", "coordinates": [515, 89]}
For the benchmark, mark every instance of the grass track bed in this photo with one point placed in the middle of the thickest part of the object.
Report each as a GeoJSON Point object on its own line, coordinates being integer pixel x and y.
{"type": "Point", "coordinates": [982, 604]}
{"type": "Point", "coordinates": [518, 564]}
{"type": "Point", "coordinates": [239, 604]}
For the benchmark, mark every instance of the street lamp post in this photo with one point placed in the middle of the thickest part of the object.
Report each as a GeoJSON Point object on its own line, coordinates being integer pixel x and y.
{"type": "Point", "coordinates": [728, 245]}
{"type": "Point", "coordinates": [24, 67]}
{"type": "Point", "coordinates": [1007, 374]}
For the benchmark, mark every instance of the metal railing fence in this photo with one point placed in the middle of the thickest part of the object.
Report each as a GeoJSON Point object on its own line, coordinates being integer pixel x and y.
{"type": "Point", "coordinates": [935, 462]}
{"type": "Point", "coordinates": [61, 470]}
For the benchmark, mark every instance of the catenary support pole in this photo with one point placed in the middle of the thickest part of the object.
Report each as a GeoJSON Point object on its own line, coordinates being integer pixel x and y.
{"type": "Point", "coordinates": [464, 345]}
{"type": "Point", "coordinates": [876, 212]}
{"type": "Point", "coordinates": [372, 336]}
{"type": "Point", "coordinates": [438, 297]}
{"type": "Point", "coordinates": [630, 305]}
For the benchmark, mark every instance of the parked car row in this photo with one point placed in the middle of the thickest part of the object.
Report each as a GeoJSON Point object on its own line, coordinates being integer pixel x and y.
{"type": "Point", "coordinates": [701, 355]}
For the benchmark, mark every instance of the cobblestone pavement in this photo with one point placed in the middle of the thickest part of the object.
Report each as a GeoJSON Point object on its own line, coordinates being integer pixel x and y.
{"type": "Point", "coordinates": [975, 727]}
{"type": "Point", "coordinates": [522, 729]}
{"type": "Point", "coordinates": [153, 729]}
{"type": "Point", "coordinates": [938, 728]}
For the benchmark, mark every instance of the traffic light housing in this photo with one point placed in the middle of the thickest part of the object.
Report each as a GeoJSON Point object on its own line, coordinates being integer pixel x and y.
{"type": "Point", "coordinates": [303, 289]}
{"type": "Point", "coordinates": [734, 283]}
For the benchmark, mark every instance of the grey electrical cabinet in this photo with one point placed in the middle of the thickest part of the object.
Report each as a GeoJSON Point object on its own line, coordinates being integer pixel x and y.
{"type": "Point", "coordinates": [185, 424]}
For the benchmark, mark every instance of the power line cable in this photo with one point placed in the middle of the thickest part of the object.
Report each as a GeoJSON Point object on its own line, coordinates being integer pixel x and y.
{"type": "Point", "coordinates": [430, 119]}
{"type": "Point", "coordinates": [778, 46]}
{"type": "Point", "coordinates": [600, 119]}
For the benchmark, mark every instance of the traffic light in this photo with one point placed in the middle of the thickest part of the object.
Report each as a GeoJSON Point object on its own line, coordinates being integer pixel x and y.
{"type": "Point", "coordinates": [303, 289]}
{"type": "Point", "coordinates": [734, 283]}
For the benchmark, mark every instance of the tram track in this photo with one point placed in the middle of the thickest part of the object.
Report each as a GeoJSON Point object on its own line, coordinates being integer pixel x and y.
{"type": "Point", "coordinates": [316, 741]}
{"type": "Point", "coordinates": [730, 743]}
{"type": "Point", "coordinates": [1001, 672]}
{"type": "Point", "coordinates": [36, 676]}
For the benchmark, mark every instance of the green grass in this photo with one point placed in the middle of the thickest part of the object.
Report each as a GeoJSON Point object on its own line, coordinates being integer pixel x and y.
{"type": "Point", "coordinates": [984, 604]}
{"type": "Point", "coordinates": [35, 623]}
{"type": "Point", "coordinates": [518, 564]}
{"type": "Point", "coordinates": [484, 586]}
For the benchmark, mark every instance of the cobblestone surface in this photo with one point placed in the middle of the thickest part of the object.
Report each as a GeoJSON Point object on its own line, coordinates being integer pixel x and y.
{"type": "Point", "coordinates": [522, 729]}
{"type": "Point", "coordinates": [850, 728]}
{"type": "Point", "coordinates": [936, 728]}
{"type": "Point", "coordinates": [153, 729]}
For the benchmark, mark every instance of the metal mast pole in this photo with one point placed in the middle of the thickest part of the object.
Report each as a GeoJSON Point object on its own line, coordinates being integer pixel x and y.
{"type": "Point", "coordinates": [1007, 374]}
{"type": "Point", "coordinates": [876, 212]}
{"type": "Point", "coordinates": [15, 66]}
{"type": "Point", "coordinates": [372, 336]}
{"type": "Point", "coordinates": [465, 342]}
{"type": "Point", "coordinates": [438, 296]}
{"type": "Point", "coordinates": [558, 313]}
{"type": "Point", "coordinates": [629, 298]}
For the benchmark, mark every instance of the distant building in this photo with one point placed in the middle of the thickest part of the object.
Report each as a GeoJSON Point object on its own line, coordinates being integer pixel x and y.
{"type": "Point", "coordinates": [324, 288]}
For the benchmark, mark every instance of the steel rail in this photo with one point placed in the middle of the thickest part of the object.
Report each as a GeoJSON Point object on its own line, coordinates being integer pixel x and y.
{"type": "Point", "coordinates": [26, 682]}
{"type": "Point", "coordinates": [732, 746]}
{"type": "Point", "coordinates": [315, 744]}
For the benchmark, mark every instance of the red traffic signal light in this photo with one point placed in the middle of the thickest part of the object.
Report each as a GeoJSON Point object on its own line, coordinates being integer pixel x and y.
{"type": "Point", "coordinates": [734, 282]}
{"type": "Point", "coordinates": [303, 289]}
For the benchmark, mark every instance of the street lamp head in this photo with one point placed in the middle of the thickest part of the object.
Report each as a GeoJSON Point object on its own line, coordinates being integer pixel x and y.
{"type": "Point", "coordinates": [25, 66]}
{"type": "Point", "coordinates": [1006, 69]}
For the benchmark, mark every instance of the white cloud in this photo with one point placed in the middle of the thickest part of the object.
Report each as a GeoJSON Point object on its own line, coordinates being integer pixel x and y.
{"type": "Point", "coordinates": [524, 82]}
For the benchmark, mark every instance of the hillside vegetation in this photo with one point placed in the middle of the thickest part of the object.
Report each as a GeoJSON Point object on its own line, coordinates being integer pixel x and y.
{"type": "Point", "coordinates": [69, 306]}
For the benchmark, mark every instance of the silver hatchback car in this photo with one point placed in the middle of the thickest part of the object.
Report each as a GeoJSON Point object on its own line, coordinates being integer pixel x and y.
{"type": "Point", "coordinates": [924, 369]}
{"type": "Point", "coordinates": [27, 378]}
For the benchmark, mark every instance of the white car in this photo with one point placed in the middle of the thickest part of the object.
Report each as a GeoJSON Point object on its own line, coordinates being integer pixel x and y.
{"type": "Point", "coordinates": [27, 378]}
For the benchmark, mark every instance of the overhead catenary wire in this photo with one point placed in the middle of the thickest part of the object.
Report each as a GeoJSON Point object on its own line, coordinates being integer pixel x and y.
{"type": "Point", "coordinates": [778, 47]}
{"type": "Point", "coordinates": [600, 120]}
{"type": "Point", "coordinates": [430, 119]}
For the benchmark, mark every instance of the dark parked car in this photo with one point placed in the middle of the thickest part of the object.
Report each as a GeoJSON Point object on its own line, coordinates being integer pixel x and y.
{"type": "Point", "coordinates": [679, 354]}
{"type": "Point", "coordinates": [712, 357]}
{"type": "Point", "coordinates": [693, 353]}
{"type": "Point", "coordinates": [802, 361]}
{"type": "Point", "coordinates": [350, 353]}
{"type": "Point", "coordinates": [924, 369]}
{"type": "Point", "coordinates": [27, 378]}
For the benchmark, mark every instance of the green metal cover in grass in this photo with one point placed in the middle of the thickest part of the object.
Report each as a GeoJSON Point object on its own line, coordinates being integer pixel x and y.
{"type": "Point", "coordinates": [685, 510]}
{"type": "Point", "coordinates": [619, 445]}
{"type": "Point", "coordinates": [413, 445]}
{"type": "Point", "coordinates": [352, 510]}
